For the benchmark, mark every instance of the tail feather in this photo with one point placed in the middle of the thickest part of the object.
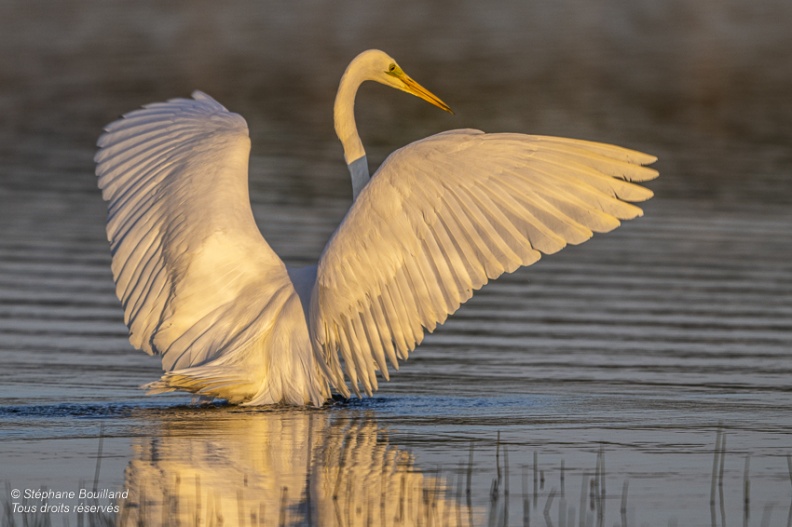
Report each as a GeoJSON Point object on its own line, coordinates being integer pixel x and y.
{"type": "Point", "coordinates": [207, 380]}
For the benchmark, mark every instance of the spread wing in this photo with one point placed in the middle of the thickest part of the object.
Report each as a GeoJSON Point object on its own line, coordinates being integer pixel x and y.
{"type": "Point", "coordinates": [440, 218]}
{"type": "Point", "coordinates": [192, 270]}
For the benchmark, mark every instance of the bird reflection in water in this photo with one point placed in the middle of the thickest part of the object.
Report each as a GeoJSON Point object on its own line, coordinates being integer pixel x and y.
{"type": "Point", "coordinates": [235, 467]}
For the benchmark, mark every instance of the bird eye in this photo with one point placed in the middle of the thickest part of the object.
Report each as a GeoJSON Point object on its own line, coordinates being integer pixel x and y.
{"type": "Point", "coordinates": [392, 67]}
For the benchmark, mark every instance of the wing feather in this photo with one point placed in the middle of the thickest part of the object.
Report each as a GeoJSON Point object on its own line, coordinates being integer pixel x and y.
{"type": "Point", "coordinates": [188, 259]}
{"type": "Point", "coordinates": [440, 218]}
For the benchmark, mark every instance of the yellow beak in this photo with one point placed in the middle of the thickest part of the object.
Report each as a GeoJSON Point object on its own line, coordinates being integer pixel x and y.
{"type": "Point", "coordinates": [410, 86]}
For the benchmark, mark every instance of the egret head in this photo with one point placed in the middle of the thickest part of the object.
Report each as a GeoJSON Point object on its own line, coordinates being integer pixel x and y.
{"type": "Point", "coordinates": [371, 65]}
{"type": "Point", "coordinates": [380, 67]}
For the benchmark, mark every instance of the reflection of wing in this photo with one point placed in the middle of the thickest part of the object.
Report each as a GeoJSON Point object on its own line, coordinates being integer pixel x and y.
{"type": "Point", "coordinates": [444, 215]}
{"type": "Point", "coordinates": [279, 468]}
{"type": "Point", "coordinates": [197, 280]}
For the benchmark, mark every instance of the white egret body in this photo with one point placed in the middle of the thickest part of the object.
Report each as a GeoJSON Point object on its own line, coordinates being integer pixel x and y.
{"type": "Point", "coordinates": [200, 286]}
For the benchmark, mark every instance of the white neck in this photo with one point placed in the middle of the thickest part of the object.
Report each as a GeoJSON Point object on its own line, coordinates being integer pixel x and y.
{"type": "Point", "coordinates": [344, 114]}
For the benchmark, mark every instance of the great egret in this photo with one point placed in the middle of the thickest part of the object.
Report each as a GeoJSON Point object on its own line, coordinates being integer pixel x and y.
{"type": "Point", "coordinates": [442, 216]}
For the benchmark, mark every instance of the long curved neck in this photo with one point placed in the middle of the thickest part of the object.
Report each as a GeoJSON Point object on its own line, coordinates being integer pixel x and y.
{"type": "Point", "coordinates": [346, 129]}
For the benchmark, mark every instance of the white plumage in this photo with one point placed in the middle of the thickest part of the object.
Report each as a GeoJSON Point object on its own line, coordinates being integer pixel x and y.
{"type": "Point", "coordinates": [442, 216]}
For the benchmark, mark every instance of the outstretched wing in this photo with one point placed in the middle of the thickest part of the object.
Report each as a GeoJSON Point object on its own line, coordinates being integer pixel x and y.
{"type": "Point", "coordinates": [444, 215]}
{"type": "Point", "coordinates": [192, 270]}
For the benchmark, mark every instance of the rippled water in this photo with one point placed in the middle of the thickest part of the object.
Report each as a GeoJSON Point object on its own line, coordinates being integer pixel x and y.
{"type": "Point", "coordinates": [618, 360]}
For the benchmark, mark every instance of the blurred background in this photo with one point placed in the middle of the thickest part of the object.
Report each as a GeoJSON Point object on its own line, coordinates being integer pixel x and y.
{"type": "Point", "coordinates": [704, 85]}
{"type": "Point", "coordinates": [644, 341]}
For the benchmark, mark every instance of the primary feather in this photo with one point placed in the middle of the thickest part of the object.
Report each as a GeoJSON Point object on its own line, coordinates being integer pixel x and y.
{"type": "Point", "coordinates": [199, 284]}
{"type": "Point", "coordinates": [440, 218]}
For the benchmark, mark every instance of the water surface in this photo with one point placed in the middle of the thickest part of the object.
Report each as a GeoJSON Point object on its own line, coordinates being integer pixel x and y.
{"type": "Point", "coordinates": [619, 360]}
